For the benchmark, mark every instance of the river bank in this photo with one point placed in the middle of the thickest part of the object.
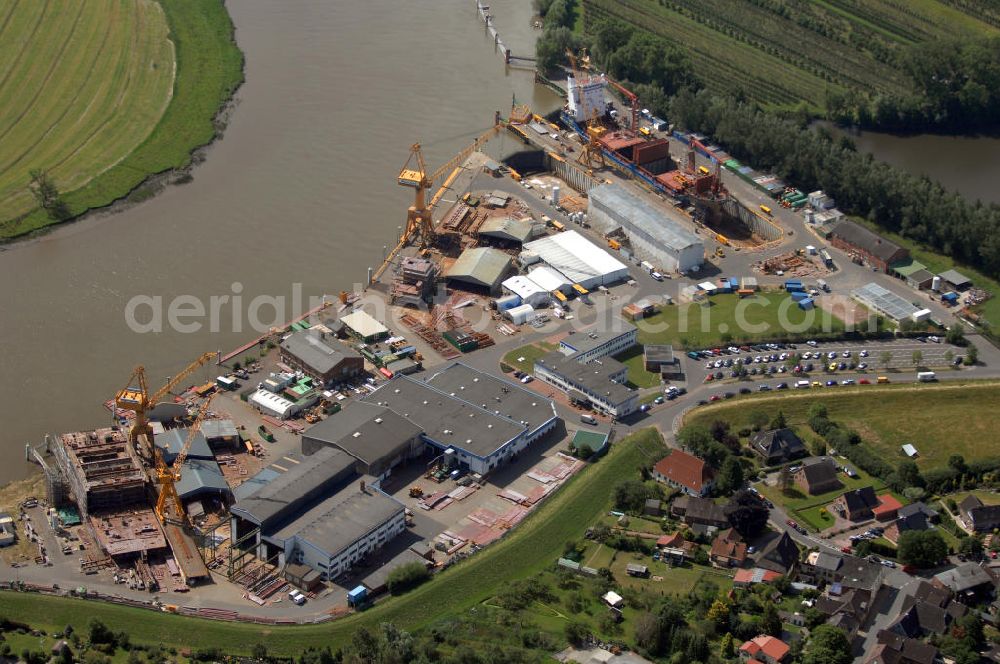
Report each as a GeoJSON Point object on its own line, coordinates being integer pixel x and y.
{"type": "Point", "coordinates": [209, 70]}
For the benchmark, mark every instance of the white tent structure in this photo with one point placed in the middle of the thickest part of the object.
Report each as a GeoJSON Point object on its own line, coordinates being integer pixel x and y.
{"type": "Point", "coordinates": [578, 259]}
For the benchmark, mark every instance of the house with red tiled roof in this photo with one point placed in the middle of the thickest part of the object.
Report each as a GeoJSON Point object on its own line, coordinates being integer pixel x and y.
{"type": "Point", "coordinates": [685, 472]}
{"type": "Point", "coordinates": [728, 549]}
{"type": "Point", "coordinates": [670, 541]}
{"type": "Point", "coordinates": [764, 649]}
{"type": "Point", "coordinates": [745, 578]}
{"type": "Point", "coordinates": [887, 508]}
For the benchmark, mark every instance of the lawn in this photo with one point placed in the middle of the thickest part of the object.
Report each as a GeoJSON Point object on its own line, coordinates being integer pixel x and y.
{"type": "Point", "coordinates": [638, 377]}
{"type": "Point", "coordinates": [530, 353]}
{"type": "Point", "coordinates": [939, 419]}
{"type": "Point", "coordinates": [727, 318]}
{"type": "Point", "coordinates": [530, 548]}
{"type": "Point", "coordinates": [100, 75]}
{"type": "Point", "coordinates": [938, 263]}
{"type": "Point", "coordinates": [816, 518]}
{"type": "Point", "coordinates": [120, 90]}
{"type": "Point", "coordinates": [797, 501]}
{"type": "Point", "coordinates": [676, 580]}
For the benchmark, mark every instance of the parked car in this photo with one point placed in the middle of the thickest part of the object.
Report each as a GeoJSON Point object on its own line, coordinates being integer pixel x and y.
{"type": "Point", "coordinates": [864, 381]}
{"type": "Point", "coordinates": [644, 408]}
{"type": "Point", "coordinates": [658, 400]}
{"type": "Point", "coordinates": [745, 390]}
{"type": "Point", "coordinates": [715, 397]}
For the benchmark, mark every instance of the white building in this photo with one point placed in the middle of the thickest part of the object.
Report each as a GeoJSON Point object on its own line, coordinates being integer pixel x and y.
{"type": "Point", "coordinates": [529, 291]}
{"type": "Point", "coordinates": [653, 234]}
{"type": "Point", "coordinates": [551, 280]}
{"type": "Point", "coordinates": [599, 383]}
{"type": "Point", "coordinates": [578, 259]}
{"type": "Point", "coordinates": [272, 404]}
{"type": "Point", "coordinates": [587, 346]}
{"type": "Point", "coordinates": [586, 97]}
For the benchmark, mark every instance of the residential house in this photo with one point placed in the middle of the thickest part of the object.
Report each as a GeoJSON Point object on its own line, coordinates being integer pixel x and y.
{"type": "Point", "coordinates": [764, 649]}
{"type": "Point", "coordinates": [728, 549]}
{"type": "Point", "coordinates": [909, 517]}
{"type": "Point", "coordinates": [820, 566]}
{"type": "Point", "coordinates": [817, 476]}
{"type": "Point", "coordinates": [777, 446]}
{"type": "Point", "coordinates": [694, 510]}
{"type": "Point", "coordinates": [887, 508]}
{"type": "Point", "coordinates": [977, 516]}
{"type": "Point", "coordinates": [744, 578]}
{"type": "Point", "coordinates": [928, 610]}
{"type": "Point", "coordinates": [892, 648]}
{"type": "Point", "coordinates": [780, 555]}
{"type": "Point", "coordinates": [670, 541]}
{"type": "Point", "coordinates": [969, 582]}
{"type": "Point", "coordinates": [684, 471]}
{"type": "Point", "coordinates": [857, 505]}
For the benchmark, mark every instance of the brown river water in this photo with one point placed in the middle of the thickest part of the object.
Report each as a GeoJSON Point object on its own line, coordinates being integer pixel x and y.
{"type": "Point", "coordinates": [301, 190]}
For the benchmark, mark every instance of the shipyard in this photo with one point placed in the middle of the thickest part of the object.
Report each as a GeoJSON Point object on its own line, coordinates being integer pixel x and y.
{"type": "Point", "coordinates": [391, 424]}
{"type": "Point", "coordinates": [602, 367]}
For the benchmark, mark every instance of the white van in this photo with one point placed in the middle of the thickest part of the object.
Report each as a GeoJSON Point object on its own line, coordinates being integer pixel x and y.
{"type": "Point", "coordinates": [656, 275]}
{"type": "Point", "coordinates": [926, 376]}
{"type": "Point", "coordinates": [297, 597]}
{"type": "Point", "coordinates": [802, 383]}
{"type": "Point", "coordinates": [588, 419]}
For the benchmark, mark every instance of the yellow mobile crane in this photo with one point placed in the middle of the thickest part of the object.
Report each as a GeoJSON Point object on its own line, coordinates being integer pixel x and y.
{"type": "Point", "coordinates": [168, 476]}
{"type": "Point", "coordinates": [137, 399]}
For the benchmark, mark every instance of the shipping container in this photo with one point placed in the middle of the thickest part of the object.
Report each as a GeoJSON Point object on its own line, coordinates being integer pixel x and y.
{"type": "Point", "coordinates": [806, 303]}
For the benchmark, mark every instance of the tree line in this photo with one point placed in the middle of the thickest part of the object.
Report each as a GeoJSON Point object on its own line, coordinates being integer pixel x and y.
{"type": "Point", "coordinates": [955, 87]}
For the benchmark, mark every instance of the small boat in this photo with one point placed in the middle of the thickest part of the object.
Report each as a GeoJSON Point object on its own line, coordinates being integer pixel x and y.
{"type": "Point", "coordinates": [265, 433]}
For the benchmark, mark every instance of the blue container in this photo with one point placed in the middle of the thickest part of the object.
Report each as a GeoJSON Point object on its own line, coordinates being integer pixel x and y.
{"type": "Point", "coordinates": [806, 303]}
{"type": "Point", "coordinates": [798, 296]}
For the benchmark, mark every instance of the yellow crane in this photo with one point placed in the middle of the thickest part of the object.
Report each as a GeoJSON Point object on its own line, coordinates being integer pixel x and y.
{"type": "Point", "coordinates": [136, 398]}
{"type": "Point", "coordinates": [168, 476]}
{"type": "Point", "coordinates": [592, 155]}
{"type": "Point", "coordinates": [418, 217]}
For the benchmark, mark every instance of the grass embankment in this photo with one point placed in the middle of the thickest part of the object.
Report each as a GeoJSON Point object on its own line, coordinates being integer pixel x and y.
{"type": "Point", "coordinates": [784, 53]}
{"type": "Point", "coordinates": [728, 318]}
{"type": "Point", "coordinates": [534, 545]}
{"type": "Point", "coordinates": [120, 90]}
{"type": "Point", "coordinates": [529, 353]}
{"type": "Point", "coordinates": [940, 419]}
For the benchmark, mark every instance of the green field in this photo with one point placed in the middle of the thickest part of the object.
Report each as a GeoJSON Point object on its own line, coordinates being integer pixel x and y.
{"type": "Point", "coordinates": [727, 318]}
{"type": "Point", "coordinates": [638, 377]}
{"type": "Point", "coordinates": [101, 94]}
{"type": "Point", "coordinates": [532, 547]}
{"type": "Point", "coordinates": [785, 52]}
{"type": "Point", "coordinates": [939, 419]}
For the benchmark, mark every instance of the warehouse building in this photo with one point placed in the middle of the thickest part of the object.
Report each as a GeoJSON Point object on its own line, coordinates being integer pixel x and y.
{"type": "Point", "coordinates": [652, 233]}
{"type": "Point", "coordinates": [872, 247]}
{"type": "Point", "coordinates": [578, 259]}
{"type": "Point", "coordinates": [361, 325]}
{"type": "Point", "coordinates": [506, 229]}
{"type": "Point", "coordinates": [326, 360]}
{"type": "Point", "coordinates": [599, 384]}
{"type": "Point", "coordinates": [584, 347]}
{"type": "Point", "coordinates": [374, 435]}
{"type": "Point", "coordinates": [482, 268]}
{"type": "Point", "coordinates": [484, 420]}
{"type": "Point", "coordinates": [884, 302]}
{"type": "Point", "coordinates": [955, 280]}
{"type": "Point", "coordinates": [319, 513]}
{"type": "Point", "coordinates": [527, 291]}
{"type": "Point", "coordinates": [550, 280]}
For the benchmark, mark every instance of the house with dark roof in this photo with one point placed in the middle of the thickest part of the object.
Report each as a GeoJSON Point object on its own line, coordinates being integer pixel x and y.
{"type": "Point", "coordinates": [857, 505]}
{"type": "Point", "coordinates": [928, 610]}
{"type": "Point", "coordinates": [847, 571]}
{"type": "Point", "coordinates": [780, 555]}
{"type": "Point", "coordinates": [978, 516]}
{"type": "Point", "coordinates": [817, 476]}
{"type": "Point", "coordinates": [968, 582]}
{"type": "Point", "coordinates": [686, 472]}
{"type": "Point", "coordinates": [916, 516]}
{"type": "Point", "coordinates": [695, 510]}
{"type": "Point", "coordinates": [728, 549]}
{"type": "Point", "coordinates": [777, 446]}
{"type": "Point", "coordinates": [877, 251]}
{"type": "Point", "coordinates": [892, 648]}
